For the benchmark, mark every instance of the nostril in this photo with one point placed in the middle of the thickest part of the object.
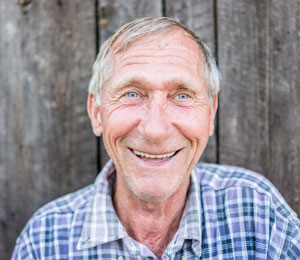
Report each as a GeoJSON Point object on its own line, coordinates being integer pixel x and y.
{"type": "Point", "coordinates": [155, 127]}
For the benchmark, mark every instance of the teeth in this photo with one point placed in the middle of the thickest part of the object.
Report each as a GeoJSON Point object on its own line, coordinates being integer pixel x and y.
{"type": "Point", "coordinates": [153, 156]}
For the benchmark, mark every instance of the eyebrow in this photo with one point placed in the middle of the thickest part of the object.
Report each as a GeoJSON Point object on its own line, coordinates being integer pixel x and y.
{"type": "Point", "coordinates": [131, 81]}
{"type": "Point", "coordinates": [172, 84]}
{"type": "Point", "coordinates": [180, 84]}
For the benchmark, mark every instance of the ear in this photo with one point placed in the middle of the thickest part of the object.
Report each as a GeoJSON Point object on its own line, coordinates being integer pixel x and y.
{"type": "Point", "coordinates": [213, 112]}
{"type": "Point", "coordinates": [94, 114]}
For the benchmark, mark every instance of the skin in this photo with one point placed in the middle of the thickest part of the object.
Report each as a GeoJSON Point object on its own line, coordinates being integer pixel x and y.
{"type": "Point", "coordinates": [155, 102]}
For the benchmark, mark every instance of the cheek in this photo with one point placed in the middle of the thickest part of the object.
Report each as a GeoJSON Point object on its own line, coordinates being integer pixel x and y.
{"type": "Point", "coordinates": [194, 124]}
{"type": "Point", "coordinates": [120, 122]}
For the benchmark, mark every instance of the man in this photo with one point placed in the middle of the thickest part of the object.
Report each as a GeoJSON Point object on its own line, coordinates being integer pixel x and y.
{"type": "Point", "coordinates": [153, 98]}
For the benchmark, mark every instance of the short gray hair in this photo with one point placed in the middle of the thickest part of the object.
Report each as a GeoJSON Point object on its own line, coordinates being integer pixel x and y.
{"type": "Point", "coordinates": [135, 30]}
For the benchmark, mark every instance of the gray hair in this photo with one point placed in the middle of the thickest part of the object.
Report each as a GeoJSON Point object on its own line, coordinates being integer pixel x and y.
{"type": "Point", "coordinates": [135, 30]}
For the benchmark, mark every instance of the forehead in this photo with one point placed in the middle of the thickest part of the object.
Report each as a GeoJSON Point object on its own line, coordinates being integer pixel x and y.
{"type": "Point", "coordinates": [162, 56]}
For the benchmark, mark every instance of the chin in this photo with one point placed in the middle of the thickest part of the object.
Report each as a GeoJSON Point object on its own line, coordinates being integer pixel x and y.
{"type": "Point", "coordinates": [155, 194]}
{"type": "Point", "coordinates": [152, 197]}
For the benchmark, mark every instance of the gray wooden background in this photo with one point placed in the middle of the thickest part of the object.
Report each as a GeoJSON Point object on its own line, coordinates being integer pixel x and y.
{"type": "Point", "coordinates": [47, 48]}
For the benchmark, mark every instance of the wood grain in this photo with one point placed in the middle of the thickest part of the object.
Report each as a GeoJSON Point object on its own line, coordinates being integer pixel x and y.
{"type": "Point", "coordinates": [46, 145]}
{"type": "Point", "coordinates": [113, 14]}
{"type": "Point", "coordinates": [260, 101]}
{"type": "Point", "coordinates": [199, 17]}
{"type": "Point", "coordinates": [47, 48]}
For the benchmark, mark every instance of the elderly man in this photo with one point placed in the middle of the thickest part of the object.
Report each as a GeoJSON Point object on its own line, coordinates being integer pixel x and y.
{"type": "Point", "coordinates": [153, 98]}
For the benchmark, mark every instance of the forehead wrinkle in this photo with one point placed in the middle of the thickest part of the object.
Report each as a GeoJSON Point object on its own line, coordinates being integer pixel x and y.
{"type": "Point", "coordinates": [195, 67]}
{"type": "Point", "coordinates": [189, 51]}
{"type": "Point", "coordinates": [175, 81]}
{"type": "Point", "coordinates": [160, 57]}
{"type": "Point", "coordinates": [154, 60]}
{"type": "Point", "coordinates": [173, 39]}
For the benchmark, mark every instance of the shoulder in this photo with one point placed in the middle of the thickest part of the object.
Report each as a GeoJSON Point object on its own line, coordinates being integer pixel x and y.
{"type": "Point", "coordinates": [234, 197]}
{"type": "Point", "coordinates": [224, 176]}
{"type": "Point", "coordinates": [246, 203]}
{"type": "Point", "coordinates": [252, 186]}
{"type": "Point", "coordinates": [62, 208]}
{"type": "Point", "coordinates": [59, 220]}
{"type": "Point", "coordinates": [66, 204]}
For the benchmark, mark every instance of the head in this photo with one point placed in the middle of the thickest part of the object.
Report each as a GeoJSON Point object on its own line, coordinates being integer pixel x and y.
{"type": "Point", "coordinates": [153, 97]}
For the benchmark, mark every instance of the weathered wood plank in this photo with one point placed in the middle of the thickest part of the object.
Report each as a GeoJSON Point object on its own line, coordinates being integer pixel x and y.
{"type": "Point", "coordinates": [46, 145]}
{"type": "Point", "coordinates": [260, 98]}
{"type": "Point", "coordinates": [115, 13]}
{"type": "Point", "coordinates": [199, 17]}
{"type": "Point", "coordinates": [284, 106]}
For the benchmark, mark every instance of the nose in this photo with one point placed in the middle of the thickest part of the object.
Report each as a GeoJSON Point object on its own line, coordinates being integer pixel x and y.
{"type": "Point", "coordinates": [156, 125]}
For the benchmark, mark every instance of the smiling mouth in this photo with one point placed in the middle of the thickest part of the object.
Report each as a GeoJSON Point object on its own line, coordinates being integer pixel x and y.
{"type": "Point", "coordinates": [143, 155]}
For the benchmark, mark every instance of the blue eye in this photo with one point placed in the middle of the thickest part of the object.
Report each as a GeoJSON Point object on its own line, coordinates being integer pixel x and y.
{"type": "Point", "coordinates": [183, 96]}
{"type": "Point", "coordinates": [132, 94]}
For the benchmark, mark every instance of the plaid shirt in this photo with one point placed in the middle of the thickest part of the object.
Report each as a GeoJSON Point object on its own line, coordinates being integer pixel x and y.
{"type": "Point", "coordinates": [230, 213]}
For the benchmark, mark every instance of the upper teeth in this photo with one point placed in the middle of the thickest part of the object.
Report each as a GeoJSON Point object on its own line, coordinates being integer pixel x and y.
{"type": "Point", "coordinates": [153, 156]}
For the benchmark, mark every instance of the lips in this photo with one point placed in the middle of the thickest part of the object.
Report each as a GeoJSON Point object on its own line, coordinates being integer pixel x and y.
{"type": "Point", "coordinates": [153, 156]}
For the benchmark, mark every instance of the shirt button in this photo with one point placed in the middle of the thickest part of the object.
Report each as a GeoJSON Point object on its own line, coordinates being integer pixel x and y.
{"type": "Point", "coordinates": [121, 257]}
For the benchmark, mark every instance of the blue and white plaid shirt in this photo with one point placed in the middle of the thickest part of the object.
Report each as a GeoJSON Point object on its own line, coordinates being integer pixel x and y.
{"type": "Point", "coordinates": [230, 213]}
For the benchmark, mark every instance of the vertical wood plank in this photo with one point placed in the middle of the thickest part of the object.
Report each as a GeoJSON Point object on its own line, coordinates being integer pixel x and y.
{"type": "Point", "coordinates": [46, 145]}
{"type": "Point", "coordinates": [113, 14]}
{"type": "Point", "coordinates": [284, 105]}
{"type": "Point", "coordinates": [199, 17]}
{"type": "Point", "coordinates": [260, 99]}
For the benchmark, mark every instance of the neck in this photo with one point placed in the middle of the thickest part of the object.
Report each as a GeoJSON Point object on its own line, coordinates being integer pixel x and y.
{"type": "Point", "coordinates": [152, 223]}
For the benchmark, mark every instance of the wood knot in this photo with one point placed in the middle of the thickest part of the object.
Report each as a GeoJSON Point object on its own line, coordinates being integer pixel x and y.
{"type": "Point", "coordinates": [25, 150]}
{"type": "Point", "coordinates": [104, 22]}
{"type": "Point", "coordinates": [24, 2]}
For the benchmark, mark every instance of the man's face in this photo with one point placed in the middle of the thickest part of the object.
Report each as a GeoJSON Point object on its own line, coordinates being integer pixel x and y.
{"type": "Point", "coordinates": [156, 115]}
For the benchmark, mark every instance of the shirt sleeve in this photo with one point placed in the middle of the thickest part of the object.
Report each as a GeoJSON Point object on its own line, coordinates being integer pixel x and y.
{"type": "Point", "coordinates": [23, 249]}
{"type": "Point", "coordinates": [284, 241]}
{"type": "Point", "coordinates": [294, 246]}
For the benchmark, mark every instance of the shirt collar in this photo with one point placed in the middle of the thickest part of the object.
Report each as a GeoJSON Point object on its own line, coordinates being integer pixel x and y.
{"type": "Point", "coordinates": [102, 224]}
{"type": "Point", "coordinates": [190, 225]}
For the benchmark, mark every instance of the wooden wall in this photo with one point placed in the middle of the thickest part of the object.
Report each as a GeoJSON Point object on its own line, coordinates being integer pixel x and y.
{"type": "Point", "coordinates": [46, 52]}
